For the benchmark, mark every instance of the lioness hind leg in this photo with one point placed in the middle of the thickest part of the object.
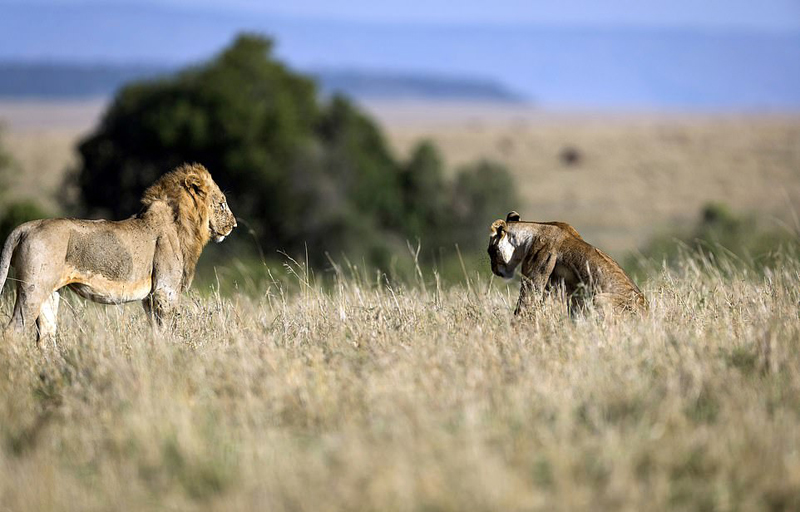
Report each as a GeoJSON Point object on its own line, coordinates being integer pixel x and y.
{"type": "Point", "coordinates": [47, 322]}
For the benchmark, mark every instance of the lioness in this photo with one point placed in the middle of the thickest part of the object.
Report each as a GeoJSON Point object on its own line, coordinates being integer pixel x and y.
{"type": "Point", "coordinates": [552, 254]}
{"type": "Point", "coordinates": [150, 256]}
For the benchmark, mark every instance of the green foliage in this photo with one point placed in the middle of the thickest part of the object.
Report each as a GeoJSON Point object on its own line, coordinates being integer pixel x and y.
{"type": "Point", "coordinates": [424, 191]}
{"type": "Point", "coordinates": [243, 115]}
{"type": "Point", "coordinates": [17, 213]}
{"type": "Point", "coordinates": [482, 192]}
{"type": "Point", "coordinates": [721, 234]}
{"type": "Point", "coordinates": [299, 173]}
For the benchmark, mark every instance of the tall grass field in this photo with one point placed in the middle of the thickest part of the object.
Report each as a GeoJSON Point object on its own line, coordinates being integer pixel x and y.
{"type": "Point", "coordinates": [357, 393]}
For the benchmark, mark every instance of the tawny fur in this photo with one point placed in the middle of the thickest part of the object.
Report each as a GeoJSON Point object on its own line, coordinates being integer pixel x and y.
{"type": "Point", "coordinates": [150, 257]}
{"type": "Point", "coordinates": [553, 254]}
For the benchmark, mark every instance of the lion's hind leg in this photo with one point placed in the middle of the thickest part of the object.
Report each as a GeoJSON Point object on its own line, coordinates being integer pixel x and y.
{"type": "Point", "coordinates": [47, 322]}
{"type": "Point", "coordinates": [27, 307]}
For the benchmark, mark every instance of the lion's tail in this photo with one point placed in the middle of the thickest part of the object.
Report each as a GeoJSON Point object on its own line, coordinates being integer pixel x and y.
{"type": "Point", "coordinates": [8, 250]}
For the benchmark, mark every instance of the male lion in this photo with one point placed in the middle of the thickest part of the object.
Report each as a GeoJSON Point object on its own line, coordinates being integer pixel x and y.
{"type": "Point", "coordinates": [553, 254]}
{"type": "Point", "coordinates": [149, 257]}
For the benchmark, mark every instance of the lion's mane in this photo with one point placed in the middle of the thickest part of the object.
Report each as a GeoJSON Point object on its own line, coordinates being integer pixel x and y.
{"type": "Point", "coordinates": [191, 210]}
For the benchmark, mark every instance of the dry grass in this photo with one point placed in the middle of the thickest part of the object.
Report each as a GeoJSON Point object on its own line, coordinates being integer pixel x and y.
{"type": "Point", "coordinates": [363, 396]}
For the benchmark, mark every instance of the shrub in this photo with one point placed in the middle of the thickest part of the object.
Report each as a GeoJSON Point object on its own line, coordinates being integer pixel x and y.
{"type": "Point", "coordinates": [481, 193]}
{"type": "Point", "coordinates": [425, 201]}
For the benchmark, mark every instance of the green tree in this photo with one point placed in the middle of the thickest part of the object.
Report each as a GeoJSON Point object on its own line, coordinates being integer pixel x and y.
{"type": "Point", "coordinates": [424, 192]}
{"type": "Point", "coordinates": [243, 115]}
{"type": "Point", "coordinates": [482, 192]}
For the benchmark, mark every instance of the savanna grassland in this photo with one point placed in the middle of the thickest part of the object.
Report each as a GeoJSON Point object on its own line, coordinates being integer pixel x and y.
{"type": "Point", "coordinates": [346, 390]}
{"type": "Point", "coordinates": [361, 395]}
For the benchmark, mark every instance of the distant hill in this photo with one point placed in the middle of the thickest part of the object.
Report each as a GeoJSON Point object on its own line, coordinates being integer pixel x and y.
{"type": "Point", "coordinates": [627, 67]}
{"type": "Point", "coordinates": [393, 85]}
{"type": "Point", "coordinates": [51, 80]}
{"type": "Point", "coordinates": [59, 80]}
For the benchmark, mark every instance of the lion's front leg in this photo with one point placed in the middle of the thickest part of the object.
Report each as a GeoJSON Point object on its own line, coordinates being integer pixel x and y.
{"type": "Point", "coordinates": [160, 307]}
{"type": "Point", "coordinates": [536, 272]}
{"type": "Point", "coordinates": [526, 291]}
{"type": "Point", "coordinates": [161, 303]}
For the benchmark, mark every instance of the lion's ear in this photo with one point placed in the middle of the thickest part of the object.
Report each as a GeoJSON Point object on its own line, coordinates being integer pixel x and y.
{"type": "Point", "coordinates": [195, 185]}
{"type": "Point", "coordinates": [498, 227]}
{"type": "Point", "coordinates": [512, 217]}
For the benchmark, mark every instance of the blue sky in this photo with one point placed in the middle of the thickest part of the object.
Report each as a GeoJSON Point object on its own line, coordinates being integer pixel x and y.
{"type": "Point", "coordinates": [762, 15]}
{"type": "Point", "coordinates": [676, 54]}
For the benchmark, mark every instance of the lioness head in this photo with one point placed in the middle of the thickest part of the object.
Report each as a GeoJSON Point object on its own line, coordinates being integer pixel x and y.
{"type": "Point", "coordinates": [503, 248]}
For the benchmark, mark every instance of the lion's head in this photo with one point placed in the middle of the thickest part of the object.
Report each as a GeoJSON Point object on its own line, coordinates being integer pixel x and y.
{"type": "Point", "coordinates": [199, 207]}
{"type": "Point", "coordinates": [502, 247]}
{"type": "Point", "coordinates": [221, 220]}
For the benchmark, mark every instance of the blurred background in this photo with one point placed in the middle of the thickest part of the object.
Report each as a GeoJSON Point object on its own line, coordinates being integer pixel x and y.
{"type": "Point", "coordinates": [359, 131]}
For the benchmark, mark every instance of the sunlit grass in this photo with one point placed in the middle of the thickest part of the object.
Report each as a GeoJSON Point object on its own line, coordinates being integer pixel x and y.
{"type": "Point", "coordinates": [366, 394]}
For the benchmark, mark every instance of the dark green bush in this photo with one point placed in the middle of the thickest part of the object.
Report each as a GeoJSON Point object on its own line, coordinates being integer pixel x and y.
{"type": "Point", "coordinates": [424, 192]}
{"type": "Point", "coordinates": [482, 192]}
{"type": "Point", "coordinates": [243, 115]}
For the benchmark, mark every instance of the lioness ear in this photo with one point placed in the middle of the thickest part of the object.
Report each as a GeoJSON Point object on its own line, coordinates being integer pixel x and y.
{"type": "Point", "coordinates": [498, 227]}
{"type": "Point", "coordinates": [194, 184]}
{"type": "Point", "coordinates": [512, 216]}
